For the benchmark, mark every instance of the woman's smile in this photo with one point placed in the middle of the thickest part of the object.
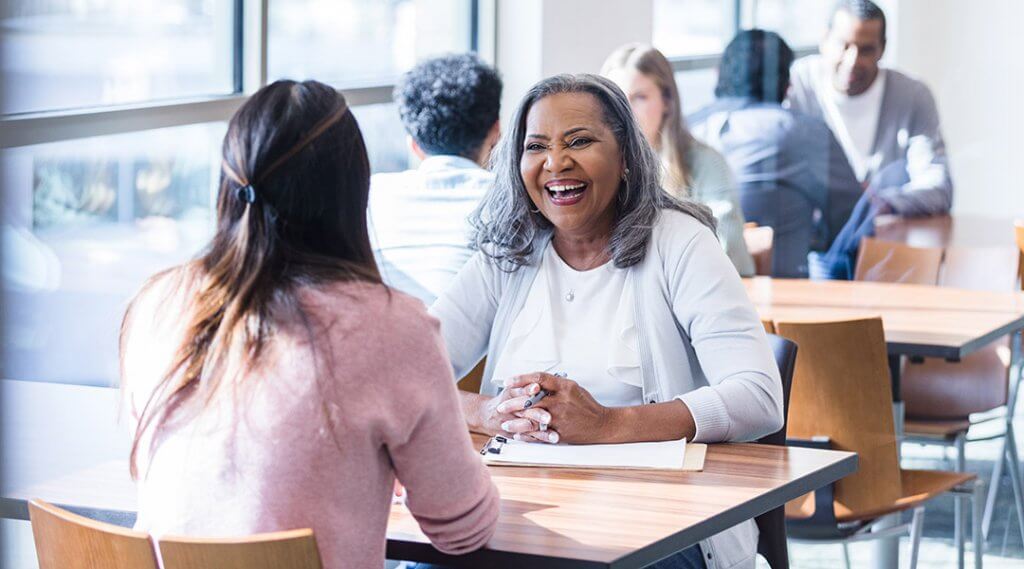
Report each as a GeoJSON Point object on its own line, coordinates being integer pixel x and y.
{"type": "Point", "coordinates": [565, 192]}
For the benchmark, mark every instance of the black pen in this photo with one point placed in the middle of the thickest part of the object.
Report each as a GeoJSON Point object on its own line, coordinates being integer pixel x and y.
{"type": "Point", "coordinates": [536, 397]}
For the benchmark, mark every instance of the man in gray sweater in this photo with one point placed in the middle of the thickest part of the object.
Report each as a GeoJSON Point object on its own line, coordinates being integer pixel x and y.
{"type": "Point", "coordinates": [886, 122]}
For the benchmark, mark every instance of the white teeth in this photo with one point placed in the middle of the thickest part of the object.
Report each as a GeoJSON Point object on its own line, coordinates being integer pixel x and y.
{"type": "Point", "coordinates": [561, 188]}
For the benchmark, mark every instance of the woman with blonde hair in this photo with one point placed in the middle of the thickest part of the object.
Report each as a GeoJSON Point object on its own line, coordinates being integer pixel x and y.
{"type": "Point", "coordinates": [690, 168]}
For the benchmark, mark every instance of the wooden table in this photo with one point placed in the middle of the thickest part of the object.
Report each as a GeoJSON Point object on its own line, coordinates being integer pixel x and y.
{"type": "Point", "coordinates": [919, 320]}
{"type": "Point", "coordinates": [947, 231]}
{"type": "Point", "coordinates": [924, 321]}
{"type": "Point", "coordinates": [549, 517]}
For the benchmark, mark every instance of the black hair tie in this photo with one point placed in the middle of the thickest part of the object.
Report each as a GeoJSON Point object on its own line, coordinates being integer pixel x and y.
{"type": "Point", "coordinates": [246, 194]}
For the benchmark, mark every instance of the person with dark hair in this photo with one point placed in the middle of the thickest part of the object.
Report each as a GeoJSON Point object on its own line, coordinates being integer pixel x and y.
{"type": "Point", "coordinates": [449, 106]}
{"type": "Point", "coordinates": [886, 122]}
{"type": "Point", "coordinates": [691, 169]}
{"type": "Point", "coordinates": [793, 175]}
{"type": "Point", "coordinates": [268, 380]}
{"type": "Point", "coordinates": [593, 283]}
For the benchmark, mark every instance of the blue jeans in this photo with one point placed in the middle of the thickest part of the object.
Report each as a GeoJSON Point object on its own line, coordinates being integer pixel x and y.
{"type": "Point", "coordinates": [689, 558]}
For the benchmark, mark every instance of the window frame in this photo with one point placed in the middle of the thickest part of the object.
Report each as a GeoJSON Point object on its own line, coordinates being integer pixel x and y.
{"type": "Point", "coordinates": [711, 60]}
{"type": "Point", "coordinates": [250, 74]}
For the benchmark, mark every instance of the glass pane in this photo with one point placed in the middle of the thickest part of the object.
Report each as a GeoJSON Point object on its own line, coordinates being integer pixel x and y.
{"type": "Point", "coordinates": [85, 223]}
{"type": "Point", "coordinates": [802, 23]}
{"type": "Point", "coordinates": [63, 54]}
{"type": "Point", "coordinates": [692, 27]}
{"type": "Point", "coordinates": [384, 136]}
{"type": "Point", "coordinates": [359, 42]}
{"type": "Point", "coordinates": [696, 88]}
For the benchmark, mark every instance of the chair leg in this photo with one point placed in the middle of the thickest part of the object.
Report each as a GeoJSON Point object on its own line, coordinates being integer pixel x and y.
{"type": "Point", "coordinates": [916, 528]}
{"type": "Point", "coordinates": [846, 555]}
{"type": "Point", "coordinates": [1013, 465]}
{"type": "Point", "coordinates": [976, 514]}
{"type": "Point", "coordinates": [958, 500]}
{"type": "Point", "coordinates": [993, 487]}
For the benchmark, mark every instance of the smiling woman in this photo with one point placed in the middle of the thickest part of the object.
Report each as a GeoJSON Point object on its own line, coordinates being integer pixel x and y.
{"type": "Point", "coordinates": [595, 285]}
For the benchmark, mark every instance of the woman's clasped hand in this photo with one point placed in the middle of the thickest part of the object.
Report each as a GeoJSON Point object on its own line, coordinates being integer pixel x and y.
{"type": "Point", "coordinates": [567, 413]}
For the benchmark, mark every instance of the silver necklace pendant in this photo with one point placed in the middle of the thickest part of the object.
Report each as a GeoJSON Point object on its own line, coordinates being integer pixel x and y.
{"type": "Point", "coordinates": [570, 295]}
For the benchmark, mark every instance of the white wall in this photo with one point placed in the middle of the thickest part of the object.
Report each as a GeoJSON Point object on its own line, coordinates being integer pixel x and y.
{"type": "Point", "coordinates": [969, 53]}
{"type": "Point", "coordinates": [538, 38]}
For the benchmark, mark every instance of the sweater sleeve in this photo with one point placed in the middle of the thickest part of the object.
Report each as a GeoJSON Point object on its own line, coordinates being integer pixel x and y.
{"type": "Point", "coordinates": [743, 400]}
{"type": "Point", "coordinates": [450, 492]}
{"type": "Point", "coordinates": [467, 310]}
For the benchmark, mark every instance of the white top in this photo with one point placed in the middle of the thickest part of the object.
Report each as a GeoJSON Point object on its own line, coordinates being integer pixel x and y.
{"type": "Point", "coordinates": [577, 311]}
{"type": "Point", "coordinates": [854, 120]}
{"type": "Point", "coordinates": [417, 222]}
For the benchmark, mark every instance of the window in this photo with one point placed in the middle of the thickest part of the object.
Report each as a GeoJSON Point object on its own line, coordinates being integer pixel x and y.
{"type": "Point", "coordinates": [801, 23]}
{"type": "Point", "coordinates": [693, 34]}
{"type": "Point", "coordinates": [692, 27]}
{"type": "Point", "coordinates": [98, 198]}
{"type": "Point", "coordinates": [362, 42]}
{"type": "Point", "coordinates": [86, 222]}
{"type": "Point", "coordinates": [67, 54]}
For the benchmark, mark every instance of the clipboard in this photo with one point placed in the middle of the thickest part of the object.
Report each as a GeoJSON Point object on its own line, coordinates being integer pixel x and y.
{"type": "Point", "coordinates": [502, 451]}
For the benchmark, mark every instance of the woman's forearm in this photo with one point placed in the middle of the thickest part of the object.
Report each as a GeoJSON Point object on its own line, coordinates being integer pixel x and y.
{"type": "Point", "coordinates": [666, 421]}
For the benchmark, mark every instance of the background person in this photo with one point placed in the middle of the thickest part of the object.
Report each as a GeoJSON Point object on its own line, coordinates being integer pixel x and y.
{"type": "Point", "coordinates": [449, 106]}
{"type": "Point", "coordinates": [793, 175]}
{"type": "Point", "coordinates": [270, 379]}
{"type": "Point", "coordinates": [886, 122]}
{"type": "Point", "coordinates": [691, 169]}
{"type": "Point", "coordinates": [589, 268]}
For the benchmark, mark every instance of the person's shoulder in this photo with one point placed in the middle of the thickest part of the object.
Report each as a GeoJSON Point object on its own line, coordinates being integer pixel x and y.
{"type": "Point", "coordinates": [674, 228]}
{"type": "Point", "coordinates": [707, 165]}
{"type": "Point", "coordinates": [375, 305]}
{"type": "Point", "coordinates": [384, 184]}
{"type": "Point", "coordinates": [802, 70]}
{"type": "Point", "coordinates": [906, 85]}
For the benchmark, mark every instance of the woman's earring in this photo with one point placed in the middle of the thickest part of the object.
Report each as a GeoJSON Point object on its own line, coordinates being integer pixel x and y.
{"type": "Point", "coordinates": [624, 174]}
{"type": "Point", "coordinates": [534, 210]}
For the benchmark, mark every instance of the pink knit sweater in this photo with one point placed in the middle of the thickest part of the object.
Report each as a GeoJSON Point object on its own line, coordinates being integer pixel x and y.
{"type": "Point", "coordinates": [316, 434]}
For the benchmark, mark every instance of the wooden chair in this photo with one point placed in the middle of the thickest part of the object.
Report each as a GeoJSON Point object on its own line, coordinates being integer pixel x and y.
{"type": "Point", "coordinates": [759, 240]}
{"type": "Point", "coordinates": [942, 398]}
{"type": "Point", "coordinates": [471, 382]}
{"type": "Point", "coordinates": [1018, 229]}
{"type": "Point", "coordinates": [68, 541]}
{"type": "Point", "coordinates": [771, 542]}
{"type": "Point", "coordinates": [841, 398]}
{"type": "Point", "coordinates": [892, 262]}
{"type": "Point", "coordinates": [295, 549]}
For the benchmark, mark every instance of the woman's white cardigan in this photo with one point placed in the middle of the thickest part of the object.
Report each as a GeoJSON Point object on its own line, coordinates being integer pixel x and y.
{"type": "Point", "coordinates": [699, 337]}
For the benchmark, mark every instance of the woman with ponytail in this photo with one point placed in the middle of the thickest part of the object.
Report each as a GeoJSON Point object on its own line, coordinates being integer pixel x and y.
{"type": "Point", "coordinates": [274, 383]}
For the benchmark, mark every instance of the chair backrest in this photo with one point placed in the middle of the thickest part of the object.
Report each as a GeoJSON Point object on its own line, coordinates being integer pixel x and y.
{"type": "Point", "coordinates": [769, 326]}
{"type": "Point", "coordinates": [892, 262]}
{"type": "Point", "coordinates": [771, 541]}
{"type": "Point", "coordinates": [980, 268]}
{"type": "Point", "coordinates": [471, 382]}
{"type": "Point", "coordinates": [759, 241]}
{"type": "Point", "coordinates": [841, 390]}
{"type": "Point", "coordinates": [295, 549]}
{"type": "Point", "coordinates": [1018, 229]}
{"type": "Point", "coordinates": [68, 541]}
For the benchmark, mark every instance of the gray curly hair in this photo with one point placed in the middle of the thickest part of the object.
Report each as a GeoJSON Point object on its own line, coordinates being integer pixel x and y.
{"type": "Point", "coordinates": [504, 227]}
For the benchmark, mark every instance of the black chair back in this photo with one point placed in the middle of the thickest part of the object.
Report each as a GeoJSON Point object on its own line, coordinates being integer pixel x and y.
{"type": "Point", "coordinates": [771, 544]}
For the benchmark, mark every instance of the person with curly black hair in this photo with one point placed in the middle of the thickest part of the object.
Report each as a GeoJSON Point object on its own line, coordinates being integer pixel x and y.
{"type": "Point", "coordinates": [793, 175]}
{"type": "Point", "coordinates": [449, 106]}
